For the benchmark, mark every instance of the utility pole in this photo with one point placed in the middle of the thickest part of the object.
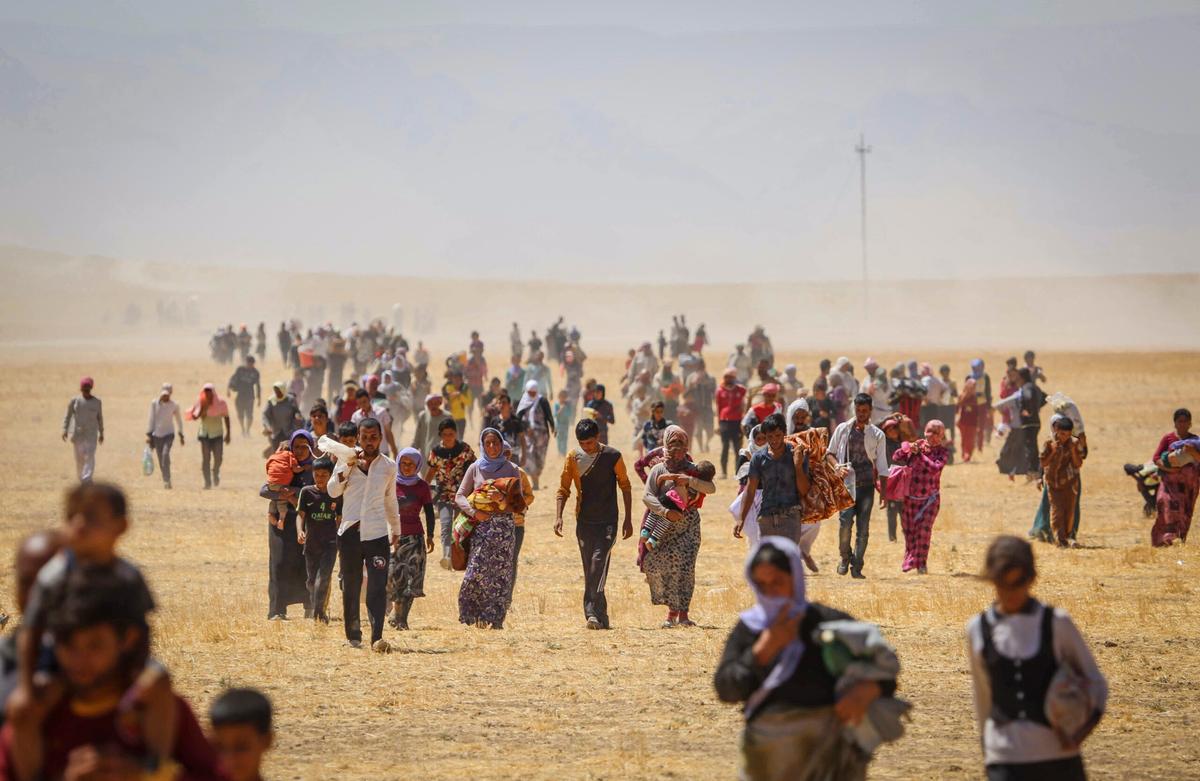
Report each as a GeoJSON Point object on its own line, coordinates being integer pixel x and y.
{"type": "Point", "coordinates": [863, 150]}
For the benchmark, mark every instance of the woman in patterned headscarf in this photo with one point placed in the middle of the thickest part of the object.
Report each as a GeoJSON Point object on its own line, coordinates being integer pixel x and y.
{"type": "Point", "coordinates": [670, 566]}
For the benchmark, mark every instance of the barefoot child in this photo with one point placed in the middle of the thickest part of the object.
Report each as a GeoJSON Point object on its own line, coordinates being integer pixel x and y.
{"type": "Point", "coordinates": [242, 732]}
{"type": "Point", "coordinates": [95, 519]}
{"type": "Point", "coordinates": [406, 574]}
{"type": "Point", "coordinates": [317, 518]}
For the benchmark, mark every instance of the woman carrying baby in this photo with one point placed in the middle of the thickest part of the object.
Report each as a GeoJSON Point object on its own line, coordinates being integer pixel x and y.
{"type": "Point", "coordinates": [484, 595]}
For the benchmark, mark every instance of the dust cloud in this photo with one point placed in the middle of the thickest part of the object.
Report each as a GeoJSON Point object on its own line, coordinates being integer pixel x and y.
{"type": "Point", "coordinates": [114, 305]}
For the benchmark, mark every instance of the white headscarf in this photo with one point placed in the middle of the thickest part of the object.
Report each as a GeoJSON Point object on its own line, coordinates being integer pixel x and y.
{"type": "Point", "coordinates": [798, 404]}
{"type": "Point", "coordinates": [767, 609]}
{"type": "Point", "coordinates": [529, 404]}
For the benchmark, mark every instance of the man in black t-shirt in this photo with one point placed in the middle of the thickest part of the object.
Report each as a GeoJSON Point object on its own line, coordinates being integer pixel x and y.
{"type": "Point", "coordinates": [596, 471]}
{"type": "Point", "coordinates": [247, 385]}
{"type": "Point", "coordinates": [317, 518]}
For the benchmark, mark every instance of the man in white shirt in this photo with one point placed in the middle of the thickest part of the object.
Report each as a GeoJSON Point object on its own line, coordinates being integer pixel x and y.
{"type": "Point", "coordinates": [165, 420]}
{"type": "Point", "coordinates": [860, 444]}
{"type": "Point", "coordinates": [370, 525]}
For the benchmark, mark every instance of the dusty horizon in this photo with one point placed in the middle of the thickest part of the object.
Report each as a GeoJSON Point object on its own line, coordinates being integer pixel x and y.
{"type": "Point", "coordinates": [111, 304]}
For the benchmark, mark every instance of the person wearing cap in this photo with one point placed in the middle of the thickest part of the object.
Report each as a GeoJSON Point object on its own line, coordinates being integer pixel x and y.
{"type": "Point", "coordinates": [246, 386]}
{"type": "Point", "coordinates": [84, 426]}
{"type": "Point", "coordinates": [1032, 718]}
{"type": "Point", "coordinates": [165, 421]}
{"type": "Point", "coordinates": [280, 417]}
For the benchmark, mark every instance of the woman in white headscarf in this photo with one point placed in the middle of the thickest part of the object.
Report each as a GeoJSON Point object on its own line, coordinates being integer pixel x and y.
{"type": "Point", "coordinates": [773, 663]}
{"type": "Point", "coordinates": [539, 419]}
{"type": "Point", "coordinates": [827, 494]}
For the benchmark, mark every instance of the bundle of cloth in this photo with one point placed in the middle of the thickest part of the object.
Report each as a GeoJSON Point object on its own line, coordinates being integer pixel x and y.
{"type": "Point", "coordinates": [1182, 453]}
{"type": "Point", "coordinates": [855, 651]}
{"type": "Point", "coordinates": [499, 495]}
{"type": "Point", "coordinates": [332, 447]}
{"type": "Point", "coordinates": [827, 493]}
{"type": "Point", "coordinates": [1062, 405]}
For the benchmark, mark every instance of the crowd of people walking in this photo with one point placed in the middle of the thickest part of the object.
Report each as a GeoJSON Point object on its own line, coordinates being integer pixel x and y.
{"type": "Point", "coordinates": [347, 483]}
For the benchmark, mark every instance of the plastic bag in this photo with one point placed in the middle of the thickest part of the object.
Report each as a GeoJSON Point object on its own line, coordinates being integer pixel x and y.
{"type": "Point", "coordinates": [342, 453]}
{"type": "Point", "coordinates": [147, 462]}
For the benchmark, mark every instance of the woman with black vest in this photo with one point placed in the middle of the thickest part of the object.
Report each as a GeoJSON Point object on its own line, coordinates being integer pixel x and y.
{"type": "Point", "coordinates": [595, 470]}
{"type": "Point", "coordinates": [1038, 692]}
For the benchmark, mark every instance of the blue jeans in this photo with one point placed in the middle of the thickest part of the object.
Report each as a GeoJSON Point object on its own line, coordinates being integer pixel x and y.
{"type": "Point", "coordinates": [857, 517]}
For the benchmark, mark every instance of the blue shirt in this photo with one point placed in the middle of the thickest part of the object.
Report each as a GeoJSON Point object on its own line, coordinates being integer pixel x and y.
{"type": "Point", "coordinates": [777, 479]}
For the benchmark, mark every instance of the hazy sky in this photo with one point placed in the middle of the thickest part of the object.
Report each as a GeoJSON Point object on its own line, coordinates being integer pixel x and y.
{"type": "Point", "coordinates": [608, 141]}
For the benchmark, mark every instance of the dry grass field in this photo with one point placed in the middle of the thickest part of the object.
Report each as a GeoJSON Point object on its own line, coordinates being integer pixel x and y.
{"type": "Point", "coordinates": [547, 699]}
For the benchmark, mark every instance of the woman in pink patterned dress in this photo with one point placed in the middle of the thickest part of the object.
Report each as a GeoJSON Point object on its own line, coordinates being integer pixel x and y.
{"type": "Point", "coordinates": [925, 459]}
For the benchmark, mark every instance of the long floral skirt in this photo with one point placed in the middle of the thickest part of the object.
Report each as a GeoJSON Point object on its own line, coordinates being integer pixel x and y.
{"type": "Point", "coordinates": [483, 596]}
{"type": "Point", "coordinates": [406, 571]}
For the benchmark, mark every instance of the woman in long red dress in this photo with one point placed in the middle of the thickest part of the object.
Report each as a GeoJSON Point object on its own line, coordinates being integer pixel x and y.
{"type": "Point", "coordinates": [1177, 490]}
{"type": "Point", "coordinates": [968, 418]}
